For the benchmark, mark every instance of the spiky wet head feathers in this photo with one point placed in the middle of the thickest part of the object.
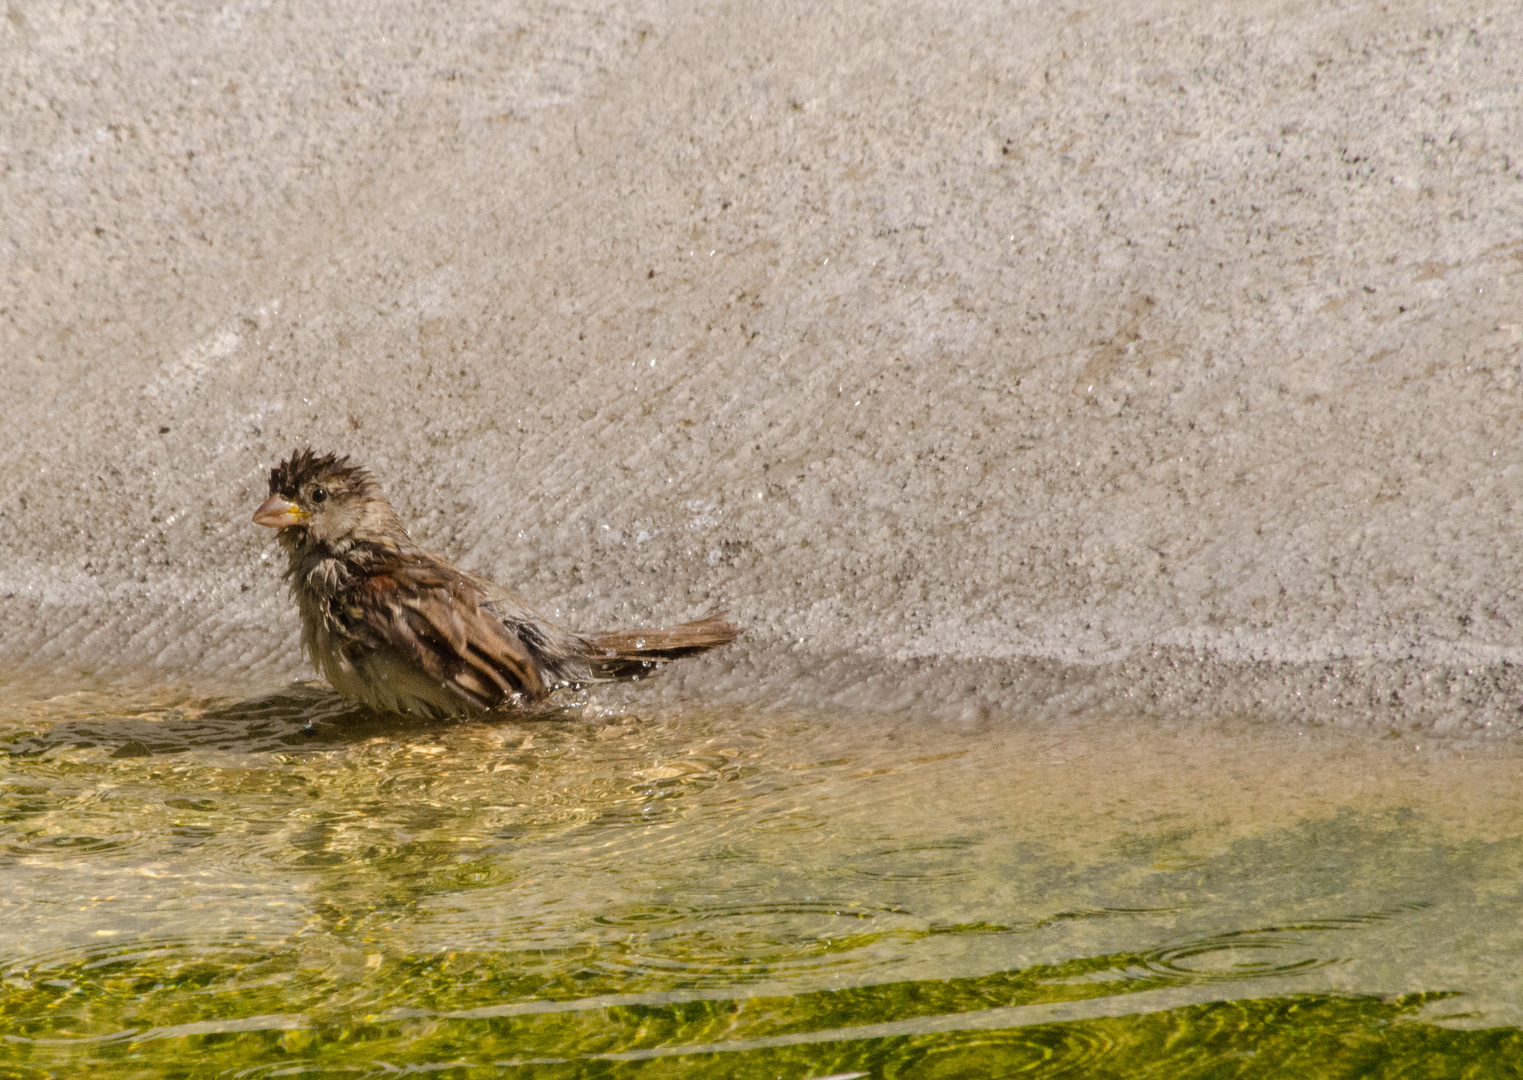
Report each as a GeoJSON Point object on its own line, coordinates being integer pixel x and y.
{"type": "Point", "coordinates": [296, 474]}
{"type": "Point", "coordinates": [333, 503]}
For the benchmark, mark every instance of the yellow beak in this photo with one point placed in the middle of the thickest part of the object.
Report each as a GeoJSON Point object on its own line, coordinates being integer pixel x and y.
{"type": "Point", "coordinates": [276, 513]}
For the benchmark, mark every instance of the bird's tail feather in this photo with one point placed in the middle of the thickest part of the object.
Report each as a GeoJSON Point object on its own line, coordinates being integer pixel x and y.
{"type": "Point", "coordinates": [633, 654]}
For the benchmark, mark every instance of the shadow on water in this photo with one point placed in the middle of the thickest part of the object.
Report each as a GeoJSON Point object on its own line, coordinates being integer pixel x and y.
{"type": "Point", "coordinates": [302, 715]}
{"type": "Point", "coordinates": [292, 886]}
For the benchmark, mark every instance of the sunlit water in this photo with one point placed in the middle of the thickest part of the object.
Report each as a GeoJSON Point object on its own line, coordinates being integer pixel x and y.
{"type": "Point", "coordinates": [287, 886]}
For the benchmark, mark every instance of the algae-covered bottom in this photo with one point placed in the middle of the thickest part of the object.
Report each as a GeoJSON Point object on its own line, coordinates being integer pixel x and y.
{"type": "Point", "coordinates": [290, 887]}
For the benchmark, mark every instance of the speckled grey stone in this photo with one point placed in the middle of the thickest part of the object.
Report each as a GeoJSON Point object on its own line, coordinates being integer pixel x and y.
{"type": "Point", "coordinates": [967, 353]}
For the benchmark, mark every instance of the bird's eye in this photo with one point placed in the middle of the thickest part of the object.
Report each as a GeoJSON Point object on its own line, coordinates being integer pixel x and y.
{"type": "Point", "coordinates": [319, 494]}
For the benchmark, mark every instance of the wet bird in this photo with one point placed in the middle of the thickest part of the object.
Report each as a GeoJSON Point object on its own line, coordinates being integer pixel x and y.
{"type": "Point", "coordinates": [399, 629]}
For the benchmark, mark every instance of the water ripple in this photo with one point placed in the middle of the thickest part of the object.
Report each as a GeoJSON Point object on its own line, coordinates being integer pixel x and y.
{"type": "Point", "coordinates": [720, 944]}
{"type": "Point", "coordinates": [89, 994]}
{"type": "Point", "coordinates": [1247, 954]}
{"type": "Point", "coordinates": [1052, 1050]}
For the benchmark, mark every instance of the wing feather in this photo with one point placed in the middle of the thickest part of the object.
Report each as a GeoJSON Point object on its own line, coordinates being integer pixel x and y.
{"type": "Point", "coordinates": [434, 622]}
{"type": "Point", "coordinates": [504, 659]}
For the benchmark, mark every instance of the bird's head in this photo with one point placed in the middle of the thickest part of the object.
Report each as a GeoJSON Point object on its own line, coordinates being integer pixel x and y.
{"type": "Point", "coordinates": [323, 498]}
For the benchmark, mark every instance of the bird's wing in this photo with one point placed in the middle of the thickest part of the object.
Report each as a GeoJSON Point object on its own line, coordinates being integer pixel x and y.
{"type": "Point", "coordinates": [430, 614]}
{"type": "Point", "coordinates": [555, 647]}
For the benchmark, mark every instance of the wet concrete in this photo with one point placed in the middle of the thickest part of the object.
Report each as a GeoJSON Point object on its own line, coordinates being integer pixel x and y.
{"type": "Point", "coordinates": [980, 359]}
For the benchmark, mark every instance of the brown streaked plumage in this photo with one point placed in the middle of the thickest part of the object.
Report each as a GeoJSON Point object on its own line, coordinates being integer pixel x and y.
{"type": "Point", "coordinates": [399, 629]}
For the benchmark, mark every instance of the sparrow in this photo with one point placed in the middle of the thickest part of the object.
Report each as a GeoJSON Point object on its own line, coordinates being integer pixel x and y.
{"type": "Point", "coordinates": [400, 629]}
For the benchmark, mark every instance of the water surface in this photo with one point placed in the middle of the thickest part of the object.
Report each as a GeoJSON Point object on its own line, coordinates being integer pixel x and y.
{"type": "Point", "coordinates": [288, 886]}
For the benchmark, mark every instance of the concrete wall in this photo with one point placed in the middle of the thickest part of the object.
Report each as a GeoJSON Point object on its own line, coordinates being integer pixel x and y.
{"type": "Point", "coordinates": [982, 358]}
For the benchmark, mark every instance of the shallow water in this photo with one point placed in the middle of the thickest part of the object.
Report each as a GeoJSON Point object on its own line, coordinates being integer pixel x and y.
{"type": "Point", "coordinates": [288, 886]}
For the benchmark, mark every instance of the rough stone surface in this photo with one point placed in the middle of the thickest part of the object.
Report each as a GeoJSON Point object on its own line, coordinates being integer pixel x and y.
{"type": "Point", "coordinates": [977, 357]}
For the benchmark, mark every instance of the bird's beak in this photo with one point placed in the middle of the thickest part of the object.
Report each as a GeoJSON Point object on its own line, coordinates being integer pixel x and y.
{"type": "Point", "coordinates": [277, 513]}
